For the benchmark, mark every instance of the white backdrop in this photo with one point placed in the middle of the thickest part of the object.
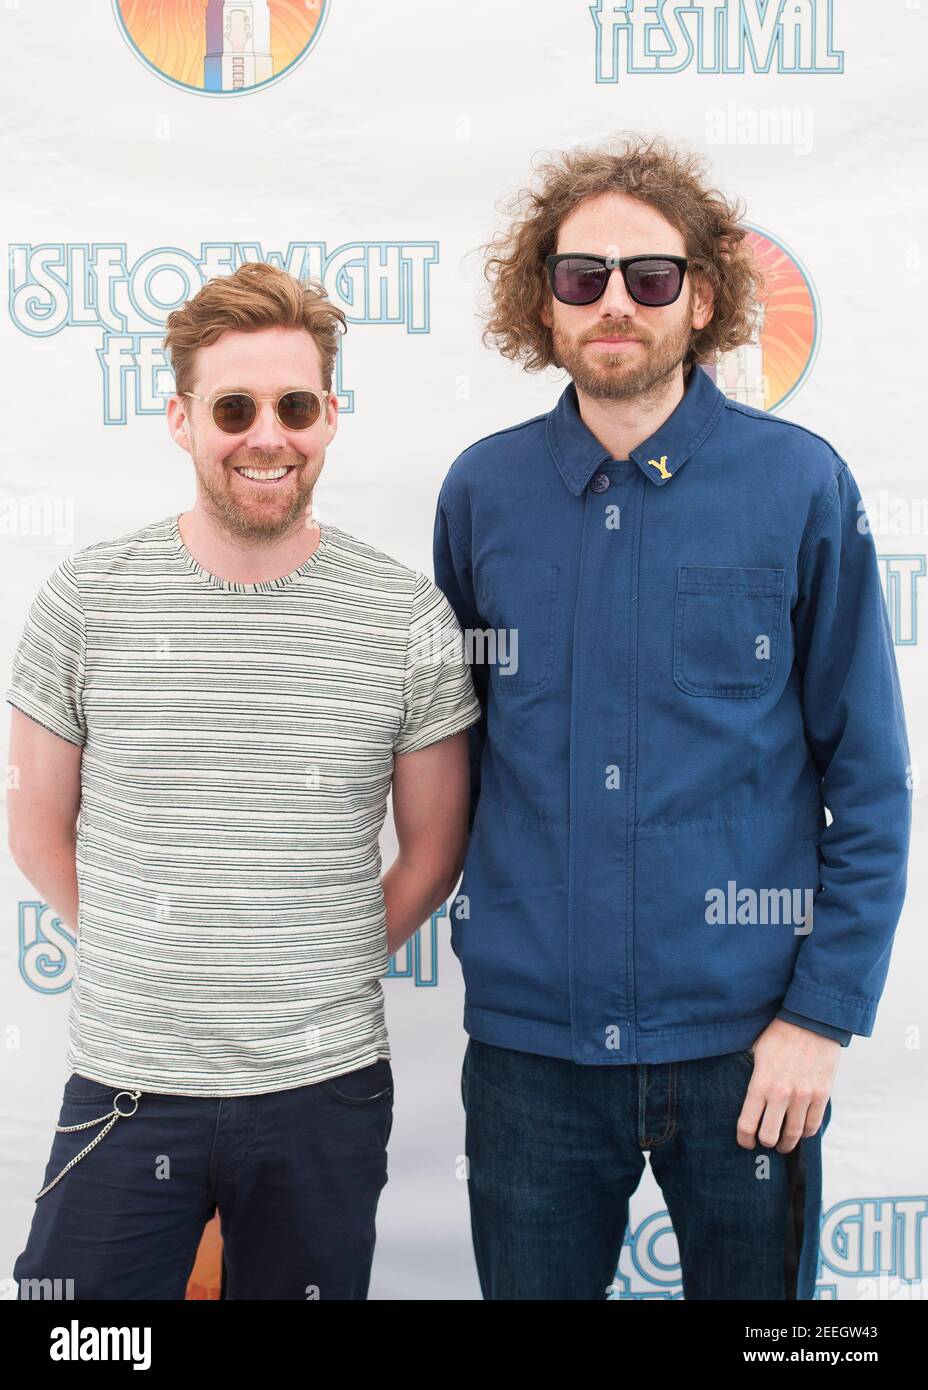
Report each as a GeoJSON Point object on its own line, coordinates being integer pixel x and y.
{"type": "Point", "coordinates": [378, 160]}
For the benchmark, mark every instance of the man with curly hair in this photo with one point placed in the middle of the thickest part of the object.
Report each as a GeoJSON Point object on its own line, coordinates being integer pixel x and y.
{"type": "Point", "coordinates": [686, 659]}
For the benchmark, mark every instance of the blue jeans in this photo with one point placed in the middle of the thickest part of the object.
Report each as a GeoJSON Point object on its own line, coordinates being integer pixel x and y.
{"type": "Point", "coordinates": [555, 1150]}
{"type": "Point", "coordinates": [296, 1176]}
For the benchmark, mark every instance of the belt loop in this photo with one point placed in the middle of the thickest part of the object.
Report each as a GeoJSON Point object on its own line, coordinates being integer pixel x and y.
{"type": "Point", "coordinates": [111, 1115]}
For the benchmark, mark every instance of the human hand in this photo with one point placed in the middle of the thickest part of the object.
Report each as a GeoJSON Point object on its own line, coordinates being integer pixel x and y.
{"type": "Point", "coordinates": [794, 1070]}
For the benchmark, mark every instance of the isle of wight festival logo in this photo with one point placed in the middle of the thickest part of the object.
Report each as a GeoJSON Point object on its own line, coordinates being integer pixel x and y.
{"type": "Point", "coordinates": [762, 36]}
{"type": "Point", "coordinates": [221, 47]}
{"type": "Point", "coordinates": [48, 951]}
{"type": "Point", "coordinates": [55, 286]}
{"type": "Point", "coordinates": [871, 1249]}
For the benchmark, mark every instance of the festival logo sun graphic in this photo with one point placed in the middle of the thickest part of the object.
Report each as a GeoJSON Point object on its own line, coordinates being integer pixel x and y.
{"type": "Point", "coordinates": [767, 371]}
{"type": "Point", "coordinates": [221, 47]}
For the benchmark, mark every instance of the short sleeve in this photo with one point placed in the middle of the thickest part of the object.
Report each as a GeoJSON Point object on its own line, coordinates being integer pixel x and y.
{"type": "Point", "coordinates": [48, 667]}
{"type": "Point", "coordinates": [438, 690]}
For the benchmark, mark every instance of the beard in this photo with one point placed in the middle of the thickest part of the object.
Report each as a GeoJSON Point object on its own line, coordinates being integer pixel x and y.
{"type": "Point", "coordinates": [257, 518]}
{"type": "Point", "coordinates": [609, 376]}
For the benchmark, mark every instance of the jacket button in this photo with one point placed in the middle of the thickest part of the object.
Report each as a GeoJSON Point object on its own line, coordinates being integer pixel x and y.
{"type": "Point", "coordinates": [600, 482]}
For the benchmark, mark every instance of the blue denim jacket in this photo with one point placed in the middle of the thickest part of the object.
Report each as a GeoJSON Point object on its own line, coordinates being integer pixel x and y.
{"type": "Point", "coordinates": [699, 661]}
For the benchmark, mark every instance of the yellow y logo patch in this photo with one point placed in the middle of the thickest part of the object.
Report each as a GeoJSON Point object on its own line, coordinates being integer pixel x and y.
{"type": "Point", "coordinates": [661, 467]}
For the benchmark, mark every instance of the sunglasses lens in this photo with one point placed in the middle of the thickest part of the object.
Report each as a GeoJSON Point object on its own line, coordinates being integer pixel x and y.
{"type": "Point", "coordinates": [654, 282]}
{"type": "Point", "coordinates": [299, 409]}
{"type": "Point", "coordinates": [578, 281]}
{"type": "Point", "coordinates": [234, 413]}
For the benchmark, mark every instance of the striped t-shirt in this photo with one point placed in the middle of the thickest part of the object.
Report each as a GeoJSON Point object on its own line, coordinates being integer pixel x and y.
{"type": "Point", "coordinates": [238, 744]}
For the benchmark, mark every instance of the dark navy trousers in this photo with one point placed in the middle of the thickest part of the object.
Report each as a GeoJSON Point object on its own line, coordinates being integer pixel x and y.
{"type": "Point", "coordinates": [296, 1176]}
{"type": "Point", "coordinates": [555, 1150]}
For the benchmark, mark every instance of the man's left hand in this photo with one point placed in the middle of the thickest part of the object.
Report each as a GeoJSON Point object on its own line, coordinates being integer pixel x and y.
{"type": "Point", "coordinates": [794, 1070]}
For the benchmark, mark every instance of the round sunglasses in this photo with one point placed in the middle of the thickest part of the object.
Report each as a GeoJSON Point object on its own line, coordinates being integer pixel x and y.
{"type": "Point", "coordinates": [581, 277]}
{"type": "Point", "coordinates": [234, 412]}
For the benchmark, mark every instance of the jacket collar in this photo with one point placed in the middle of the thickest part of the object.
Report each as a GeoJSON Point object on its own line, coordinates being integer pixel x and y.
{"type": "Point", "coordinates": [578, 453]}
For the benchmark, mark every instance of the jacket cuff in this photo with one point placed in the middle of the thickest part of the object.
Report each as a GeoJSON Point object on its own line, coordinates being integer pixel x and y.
{"type": "Point", "coordinates": [853, 1012]}
{"type": "Point", "coordinates": [827, 1030]}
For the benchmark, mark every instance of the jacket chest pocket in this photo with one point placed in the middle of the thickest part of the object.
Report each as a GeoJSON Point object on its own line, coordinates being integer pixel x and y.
{"type": "Point", "coordinates": [518, 603]}
{"type": "Point", "coordinates": [726, 629]}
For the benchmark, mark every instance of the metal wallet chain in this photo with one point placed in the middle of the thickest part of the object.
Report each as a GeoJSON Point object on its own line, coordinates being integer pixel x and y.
{"type": "Point", "coordinates": [111, 1115]}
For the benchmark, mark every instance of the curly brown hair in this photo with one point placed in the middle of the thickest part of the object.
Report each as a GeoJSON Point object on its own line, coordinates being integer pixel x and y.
{"type": "Point", "coordinates": [672, 181]}
{"type": "Point", "coordinates": [256, 296]}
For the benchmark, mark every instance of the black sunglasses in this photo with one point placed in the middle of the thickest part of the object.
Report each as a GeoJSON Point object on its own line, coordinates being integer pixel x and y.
{"type": "Point", "coordinates": [581, 278]}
